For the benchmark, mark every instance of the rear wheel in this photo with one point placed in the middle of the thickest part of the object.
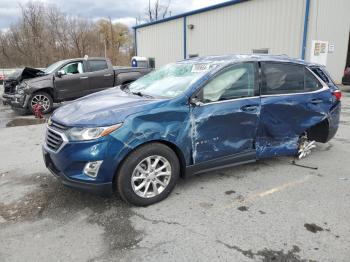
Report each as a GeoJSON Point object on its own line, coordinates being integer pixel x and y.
{"type": "Point", "coordinates": [148, 174]}
{"type": "Point", "coordinates": [43, 99]}
{"type": "Point", "coordinates": [305, 146]}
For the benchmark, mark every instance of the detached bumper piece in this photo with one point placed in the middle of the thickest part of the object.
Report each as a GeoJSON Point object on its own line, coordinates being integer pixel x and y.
{"type": "Point", "coordinates": [104, 189]}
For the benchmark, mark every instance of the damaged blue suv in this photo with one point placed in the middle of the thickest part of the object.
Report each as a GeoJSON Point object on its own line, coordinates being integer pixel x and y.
{"type": "Point", "coordinates": [189, 117]}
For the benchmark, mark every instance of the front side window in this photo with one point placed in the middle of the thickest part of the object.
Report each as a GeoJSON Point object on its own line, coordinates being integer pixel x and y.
{"type": "Point", "coordinates": [73, 68]}
{"type": "Point", "coordinates": [236, 82]}
{"type": "Point", "coordinates": [97, 65]}
{"type": "Point", "coordinates": [286, 78]}
{"type": "Point", "coordinates": [52, 68]}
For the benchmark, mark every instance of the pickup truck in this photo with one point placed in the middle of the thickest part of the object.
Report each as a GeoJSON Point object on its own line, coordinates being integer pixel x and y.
{"type": "Point", "coordinates": [63, 81]}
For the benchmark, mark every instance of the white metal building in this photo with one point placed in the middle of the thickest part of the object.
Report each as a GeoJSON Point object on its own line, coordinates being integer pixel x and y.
{"type": "Point", "coordinates": [316, 30]}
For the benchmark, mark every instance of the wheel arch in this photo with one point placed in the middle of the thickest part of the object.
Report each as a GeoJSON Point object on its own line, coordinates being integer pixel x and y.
{"type": "Point", "coordinates": [169, 144]}
{"type": "Point", "coordinates": [319, 132]}
{"type": "Point", "coordinates": [48, 90]}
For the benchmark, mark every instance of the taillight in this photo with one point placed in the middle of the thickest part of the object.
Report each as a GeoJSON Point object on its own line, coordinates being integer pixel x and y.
{"type": "Point", "coordinates": [337, 94]}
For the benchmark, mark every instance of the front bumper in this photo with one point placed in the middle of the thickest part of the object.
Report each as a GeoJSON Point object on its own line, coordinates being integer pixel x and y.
{"type": "Point", "coordinates": [104, 188]}
{"type": "Point", "coordinates": [19, 101]}
{"type": "Point", "coordinates": [7, 98]}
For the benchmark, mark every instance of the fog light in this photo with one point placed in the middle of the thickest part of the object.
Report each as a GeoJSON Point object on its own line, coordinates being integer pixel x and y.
{"type": "Point", "coordinates": [91, 168]}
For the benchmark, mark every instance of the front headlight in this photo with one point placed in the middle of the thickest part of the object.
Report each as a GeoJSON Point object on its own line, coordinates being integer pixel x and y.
{"type": "Point", "coordinates": [20, 89]}
{"type": "Point", "coordinates": [89, 133]}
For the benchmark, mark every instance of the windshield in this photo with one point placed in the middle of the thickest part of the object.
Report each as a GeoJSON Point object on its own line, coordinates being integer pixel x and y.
{"type": "Point", "coordinates": [50, 69]}
{"type": "Point", "coordinates": [170, 80]}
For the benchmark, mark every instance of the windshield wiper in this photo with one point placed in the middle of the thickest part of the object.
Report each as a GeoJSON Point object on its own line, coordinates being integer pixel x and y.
{"type": "Point", "coordinates": [138, 93]}
{"type": "Point", "coordinates": [125, 88]}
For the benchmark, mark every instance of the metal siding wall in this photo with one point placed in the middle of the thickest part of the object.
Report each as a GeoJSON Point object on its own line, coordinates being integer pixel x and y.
{"type": "Point", "coordinates": [273, 24]}
{"type": "Point", "coordinates": [162, 41]}
{"type": "Point", "coordinates": [330, 21]}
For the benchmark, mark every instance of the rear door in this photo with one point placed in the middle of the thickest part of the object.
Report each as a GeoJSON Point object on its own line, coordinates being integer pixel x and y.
{"type": "Point", "coordinates": [100, 74]}
{"type": "Point", "coordinates": [225, 124]}
{"type": "Point", "coordinates": [74, 83]}
{"type": "Point", "coordinates": [292, 100]}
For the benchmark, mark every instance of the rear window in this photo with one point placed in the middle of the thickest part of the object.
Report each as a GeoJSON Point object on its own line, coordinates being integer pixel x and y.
{"type": "Point", "coordinates": [97, 65]}
{"type": "Point", "coordinates": [323, 74]}
{"type": "Point", "coordinates": [286, 78]}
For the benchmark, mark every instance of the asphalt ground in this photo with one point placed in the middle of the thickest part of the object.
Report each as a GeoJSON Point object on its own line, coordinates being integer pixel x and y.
{"type": "Point", "coordinates": [271, 210]}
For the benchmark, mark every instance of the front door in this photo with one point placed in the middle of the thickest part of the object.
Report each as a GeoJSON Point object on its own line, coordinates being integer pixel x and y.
{"type": "Point", "coordinates": [224, 124]}
{"type": "Point", "coordinates": [74, 83]}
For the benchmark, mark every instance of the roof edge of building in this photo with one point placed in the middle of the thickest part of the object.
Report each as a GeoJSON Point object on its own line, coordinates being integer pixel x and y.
{"type": "Point", "coordinates": [193, 12]}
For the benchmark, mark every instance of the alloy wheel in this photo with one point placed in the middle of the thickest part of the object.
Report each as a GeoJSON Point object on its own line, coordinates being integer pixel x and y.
{"type": "Point", "coordinates": [42, 100]}
{"type": "Point", "coordinates": [151, 176]}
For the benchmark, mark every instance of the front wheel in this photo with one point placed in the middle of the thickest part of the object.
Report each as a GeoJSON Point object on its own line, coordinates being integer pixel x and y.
{"type": "Point", "coordinates": [148, 174]}
{"type": "Point", "coordinates": [43, 99]}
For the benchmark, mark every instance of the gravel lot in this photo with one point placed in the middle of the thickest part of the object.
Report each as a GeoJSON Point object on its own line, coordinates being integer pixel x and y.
{"type": "Point", "coordinates": [271, 210]}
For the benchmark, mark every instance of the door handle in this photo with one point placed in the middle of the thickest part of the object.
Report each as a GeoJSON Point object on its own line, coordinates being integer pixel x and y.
{"type": "Point", "coordinates": [84, 77]}
{"type": "Point", "coordinates": [249, 108]}
{"type": "Point", "coordinates": [107, 75]}
{"type": "Point", "coordinates": [316, 101]}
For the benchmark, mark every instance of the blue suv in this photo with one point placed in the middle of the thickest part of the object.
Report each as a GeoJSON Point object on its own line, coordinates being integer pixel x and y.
{"type": "Point", "coordinates": [189, 117]}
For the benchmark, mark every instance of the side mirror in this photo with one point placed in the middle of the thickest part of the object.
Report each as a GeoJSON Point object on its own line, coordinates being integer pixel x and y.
{"type": "Point", "coordinates": [195, 101]}
{"type": "Point", "coordinates": [61, 73]}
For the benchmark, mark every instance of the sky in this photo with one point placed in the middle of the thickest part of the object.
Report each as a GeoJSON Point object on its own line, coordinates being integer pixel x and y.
{"type": "Point", "coordinates": [124, 11]}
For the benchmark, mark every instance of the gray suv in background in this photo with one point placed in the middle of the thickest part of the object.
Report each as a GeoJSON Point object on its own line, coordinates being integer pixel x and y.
{"type": "Point", "coordinates": [63, 81]}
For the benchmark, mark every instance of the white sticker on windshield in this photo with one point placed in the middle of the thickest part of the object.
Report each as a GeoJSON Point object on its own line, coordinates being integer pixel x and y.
{"type": "Point", "coordinates": [199, 68]}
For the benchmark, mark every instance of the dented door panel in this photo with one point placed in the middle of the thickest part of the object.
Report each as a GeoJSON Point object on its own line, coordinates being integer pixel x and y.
{"type": "Point", "coordinates": [284, 118]}
{"type": "Point", "coordinates": [224, 128]}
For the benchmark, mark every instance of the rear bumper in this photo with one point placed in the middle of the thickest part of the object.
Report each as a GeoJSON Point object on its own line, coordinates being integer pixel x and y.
{"type": "Point", "coordinates": [334, 117]}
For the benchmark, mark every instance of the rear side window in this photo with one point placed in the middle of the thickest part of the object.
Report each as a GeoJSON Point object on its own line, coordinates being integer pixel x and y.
{"type": "Point", "coordinates": [311, 83]}
{"type": "Point", "coordinates": [97, 65]}
{"type": "Point", "coordinates": [286, 78]}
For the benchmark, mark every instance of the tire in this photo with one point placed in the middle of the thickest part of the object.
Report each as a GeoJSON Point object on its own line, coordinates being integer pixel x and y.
{"type": "Point", "coordinates": [130, 177]}
{"type": "Point", "coordinates": [44, 98]}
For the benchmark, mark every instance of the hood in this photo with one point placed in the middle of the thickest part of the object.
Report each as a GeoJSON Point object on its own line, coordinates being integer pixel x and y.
{"type": "Point", "coordinates": [38, 79]}
{"type": "Point", "coordinates": [24, 73]}
{"type": "Point", "coordinates": [104, 108]}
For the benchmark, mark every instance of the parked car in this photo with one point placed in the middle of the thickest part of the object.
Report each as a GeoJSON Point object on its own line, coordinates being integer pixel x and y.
{"type": "Point", "coordinates": [346, 77]}
{"type": "Point", "coordinates": [19, 75]}
{"type": "Point", "coordinates": [66, 80]}
{"type": "Point", "coordinates": [189, 117]}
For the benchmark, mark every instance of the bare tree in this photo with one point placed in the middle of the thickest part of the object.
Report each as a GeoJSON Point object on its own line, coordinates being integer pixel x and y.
{"type": "Point", "coordinates": [44, 34]}
{"type": "Point", "coordinates": [156, 10]}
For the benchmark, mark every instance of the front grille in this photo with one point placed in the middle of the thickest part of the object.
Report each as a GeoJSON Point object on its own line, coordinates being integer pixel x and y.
{"type": "Point", "coordinates": [58, 127]}
{"type": "Point", "coordinates": [53, 140]}
{"type": "Point", "coordinates": [10, 87]}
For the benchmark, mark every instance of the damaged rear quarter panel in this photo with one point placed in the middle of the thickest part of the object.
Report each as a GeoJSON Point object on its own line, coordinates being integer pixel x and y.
{"type": "Point", "coordinates": [285, 117]}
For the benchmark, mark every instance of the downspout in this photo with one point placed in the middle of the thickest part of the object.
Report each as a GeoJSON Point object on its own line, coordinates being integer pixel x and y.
{"type": "Point", "coordinates": [185, 35]}
{"type": "Point", "coordinates": [306, 23]}
{"type": "Point", "coordinates": [135, 42]}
